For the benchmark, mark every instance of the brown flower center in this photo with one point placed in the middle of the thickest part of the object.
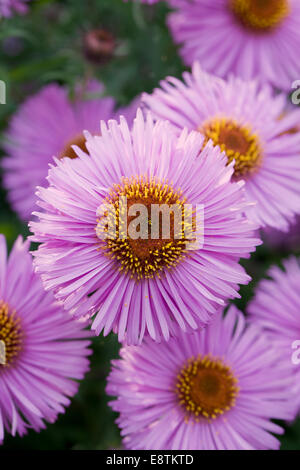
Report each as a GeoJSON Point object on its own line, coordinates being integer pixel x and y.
{"type": "Point", "coordinates": [238, 142]}
{"type": "Point", "coordinates": [10, 335]}
{"type": "Point", "coordinates": [145, 226]}
{"type": "Point", "coordinates": [206, 387]}
{"type": "Point", "coordinates": [67, 151]}
{"type": "Point", "coordinates": [292, 130]}
{"type": "Point", "coordinates": [260, 15]}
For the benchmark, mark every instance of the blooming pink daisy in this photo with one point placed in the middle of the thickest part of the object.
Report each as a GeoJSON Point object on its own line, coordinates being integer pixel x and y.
{"type": "Point", "coordinates": [37, 133]}
{"type": "Point", "coordinates": [249, 124]}
{"type": "Point", "coordinates": [150, 284]}
{"type": "Point", "coordinates": [7, 7]}
{"type": "Point", "coordinates": [216, 389]}
{"type": "Point", "coordinates": [41, 351]}
{"type": "Point", "coordinates": [276, 307]}
{"type": "Point", "coordinates": [250, 38]}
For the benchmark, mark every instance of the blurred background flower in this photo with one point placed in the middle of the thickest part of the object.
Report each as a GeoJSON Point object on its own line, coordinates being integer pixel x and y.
{"type": "Point", "coordinates": [43, 347]}
{"type": "Point", "coordinates": [99, 45]}
{"type": "Point", "coordinates": [250, 38]}
{"type": "Point", "coordinates": [48, 125]}
{"type": "Point", "coordinates": [276, 308]}
{"type": "Point", "coordinates": [9, 7]}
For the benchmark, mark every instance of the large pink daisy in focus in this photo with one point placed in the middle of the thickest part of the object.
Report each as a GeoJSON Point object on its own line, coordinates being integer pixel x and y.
{"type": "Point", "coordinates": [250, 124]}
{"type": "Point", "coordinates": [250, 38]}
{"type": "Point", "coordinates": [217, 389]}
{"type": "Point", "coordinates": [9, 7]}
{"type": "Point", "coordinates": [43, 351]}
{"type": "Point", "coordinates": [138, 286]}
{"type": "Point", "coordinates": [48, 124]}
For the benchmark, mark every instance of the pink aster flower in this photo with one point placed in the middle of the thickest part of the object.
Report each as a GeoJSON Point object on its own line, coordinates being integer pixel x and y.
{"type": "Point", "coordinates": [38, 132]}
{"type": "Point", "coordinates": [276, 307]}
{"type": "Point", "coordinates": [8, 7]}
{"type": "Point", "coordinates": [250, 125]}
{"type": "Point", "coordinates": [216, 389]}
{"type": "Point", "coordinates": [143, 285]}
{"type": "Point", "coordinates": [250, 38]}
{"type": "Point", "coordinates": [41, 351]}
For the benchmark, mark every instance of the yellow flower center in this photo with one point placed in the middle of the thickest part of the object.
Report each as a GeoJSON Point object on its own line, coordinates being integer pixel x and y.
{"type": "Point", "coordinates": [206, 387]}
{"type": "Point", "coordinates": [260, 15]}
{"type": "Point", "coordinates": [142, 239]}
{"type": "Point", "coordinates": [238, 142]}
{"type": "Point", "coordinates": [10, 335]}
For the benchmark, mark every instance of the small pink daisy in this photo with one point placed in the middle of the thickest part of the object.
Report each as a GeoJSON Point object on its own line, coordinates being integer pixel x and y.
{"type": "Point", "coordinates": [137, 285]}
{"type": "Point", "coordinates": [49, 124]}
{"type": "Point", "coordinates": [42, 354]}
{"type": "Point", "coordinates": [250, 38]}
{"type": "Point", "coordinates": [217, 389]}
{"type": "Point", "coordinates": [250, 124]}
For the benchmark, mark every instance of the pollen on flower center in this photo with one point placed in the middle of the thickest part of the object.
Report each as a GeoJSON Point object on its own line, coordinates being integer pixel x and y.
{"type": "Point", "coordinates": [238, 142]}
{"type": "Point", "coordinates": [10, 335]}
{"type": "Point", "coordinates": [160, 240]}
{"type": "Point", "coordinates": [67, 151]}
{"type": "Point", "coordinates": [260, 15]}
{"type": "Point", "coordinates": [206, 387]}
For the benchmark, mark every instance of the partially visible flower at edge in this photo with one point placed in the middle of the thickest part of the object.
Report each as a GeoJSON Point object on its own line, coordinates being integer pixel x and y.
{"type": "Point", "coordinates": [43, 351]}
{"type": "Point", "coordinates": [9, 7]}
{"type": "Point", "coordinates": [248, 38]}
{"type": "Point", "coordinates": [276, 308]}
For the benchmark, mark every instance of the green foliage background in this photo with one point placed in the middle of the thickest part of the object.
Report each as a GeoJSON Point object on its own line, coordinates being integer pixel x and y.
{"type": "Point", "coordinates": [49, 42]}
